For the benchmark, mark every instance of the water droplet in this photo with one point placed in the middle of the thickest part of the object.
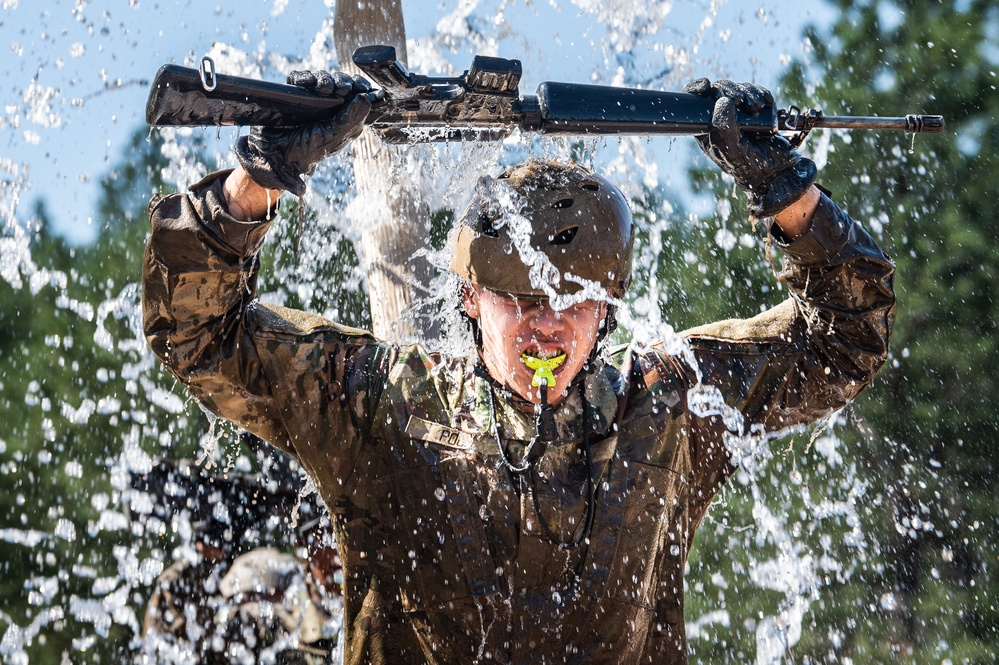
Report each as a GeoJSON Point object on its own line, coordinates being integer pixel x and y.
{"type": "Point", "coordinates": [439, 493]}
{"type": "Point", "coordinates": [65, 529]}
{"type": "Point", "coordinates": [221, 512]}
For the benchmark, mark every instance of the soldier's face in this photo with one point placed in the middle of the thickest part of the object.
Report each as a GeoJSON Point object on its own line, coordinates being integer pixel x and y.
{"type": "Point", "coordinates": [512, 326]}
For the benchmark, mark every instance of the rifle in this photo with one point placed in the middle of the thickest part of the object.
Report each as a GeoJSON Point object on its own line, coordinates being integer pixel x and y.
{"type": "Point", "coordinates": [482, 104]}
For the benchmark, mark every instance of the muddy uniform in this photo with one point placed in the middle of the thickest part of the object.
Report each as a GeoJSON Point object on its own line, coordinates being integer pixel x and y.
{"type": "Point", "coordinates": [447, 555]}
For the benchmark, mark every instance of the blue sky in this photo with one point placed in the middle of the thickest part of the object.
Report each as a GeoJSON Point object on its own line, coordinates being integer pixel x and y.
{"type": "Point", "coordinates": [72, 95]}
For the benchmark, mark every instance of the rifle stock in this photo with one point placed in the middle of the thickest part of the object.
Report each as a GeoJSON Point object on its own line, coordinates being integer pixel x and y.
{"type": "Point", "coordinates": [481, 104]}
{"type": "Point", "coordinates": [178, 98]}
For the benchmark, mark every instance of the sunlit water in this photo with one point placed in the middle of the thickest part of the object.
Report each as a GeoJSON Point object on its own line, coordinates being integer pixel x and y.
{"type": "Point", "coordinates": [779, 558]}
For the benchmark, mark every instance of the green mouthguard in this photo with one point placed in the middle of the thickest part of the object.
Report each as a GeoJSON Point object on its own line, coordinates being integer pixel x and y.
{"type": "Point", "coordinates": [543, 368]}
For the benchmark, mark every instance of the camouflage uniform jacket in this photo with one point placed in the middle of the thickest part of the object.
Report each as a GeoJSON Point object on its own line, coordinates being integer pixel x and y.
{"type": "Point", "coordinates": [445, 556]}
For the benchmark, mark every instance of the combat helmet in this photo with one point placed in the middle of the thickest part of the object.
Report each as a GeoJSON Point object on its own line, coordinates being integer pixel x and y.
{"type": "Point", "coordinates": [576, 218]}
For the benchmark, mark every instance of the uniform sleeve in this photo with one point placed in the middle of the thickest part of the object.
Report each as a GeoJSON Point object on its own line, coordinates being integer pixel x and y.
{"type": "Point", "coordinates": [813, 353]}
{"type": "Point", "coordinates": [296, 380]}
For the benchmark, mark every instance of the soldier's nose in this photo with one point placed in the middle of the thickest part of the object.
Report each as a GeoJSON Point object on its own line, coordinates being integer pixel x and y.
{"type": "Point", "coordinates": [546, 320]}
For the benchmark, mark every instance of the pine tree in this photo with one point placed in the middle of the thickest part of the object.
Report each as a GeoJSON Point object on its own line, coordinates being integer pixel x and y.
{"type": "Point", "coordinates": [914, 581]}
{"type": "Point", "coordinates": [922, 589]}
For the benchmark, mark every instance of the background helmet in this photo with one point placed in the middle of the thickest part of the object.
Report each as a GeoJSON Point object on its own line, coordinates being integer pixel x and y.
{"type": "Point", "coordinates": [575, 218]}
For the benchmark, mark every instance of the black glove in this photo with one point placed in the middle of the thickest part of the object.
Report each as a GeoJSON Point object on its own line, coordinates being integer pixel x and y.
{"type": "Point", "coordinates": [277, 157]}
{"type": "Point", "coordinates": [765, 166]}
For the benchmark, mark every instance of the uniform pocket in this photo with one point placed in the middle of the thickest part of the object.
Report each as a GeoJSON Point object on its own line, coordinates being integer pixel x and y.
{"type": "Point", "coordinates": [424, 559]}
{"type": "Point", "coordinates": [635, 528]}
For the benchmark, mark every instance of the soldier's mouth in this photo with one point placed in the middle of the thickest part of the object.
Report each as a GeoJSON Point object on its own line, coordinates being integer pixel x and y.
{"type": "Point", "coordinates": [542, 353]}
{"type": "Point", "coordinates": [544, 367]}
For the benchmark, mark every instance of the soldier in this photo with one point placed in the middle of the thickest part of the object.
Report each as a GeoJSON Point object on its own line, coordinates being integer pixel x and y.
{"type": "Point", "coordinates": [536, 500]}
{"type": "Point", "coordinates": [265, 608]}
{"type": "Point", "coordinates": [226, 604]}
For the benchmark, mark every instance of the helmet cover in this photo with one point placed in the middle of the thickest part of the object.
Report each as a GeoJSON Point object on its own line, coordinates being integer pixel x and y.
{"type": "Point", "coordinates": [543, 228]}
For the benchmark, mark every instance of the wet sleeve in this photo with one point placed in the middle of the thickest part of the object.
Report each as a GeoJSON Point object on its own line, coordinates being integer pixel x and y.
{"type": "Point", "coordinates": [813, 353]}
{"type": "Point", "coordinates": [296, 380]}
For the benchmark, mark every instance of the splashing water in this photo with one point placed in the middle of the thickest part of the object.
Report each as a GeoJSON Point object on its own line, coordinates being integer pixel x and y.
{"type": "Point", "coordinates": [87, 569]}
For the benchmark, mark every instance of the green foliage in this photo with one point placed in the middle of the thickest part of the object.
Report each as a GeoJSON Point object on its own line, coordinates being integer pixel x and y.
{"type": "Point", "coordinates": [921, 587]}
{"type": "Point", "coordinates": [310, 261]}
{"type": "Point", "coordinates": [677, 258]}
{"type": "Point", "coordinates": [77, 389]}
{"type": "Point", "coordinates": [932, 407]}
{"type": "Point", "coordinates": [80, 393]}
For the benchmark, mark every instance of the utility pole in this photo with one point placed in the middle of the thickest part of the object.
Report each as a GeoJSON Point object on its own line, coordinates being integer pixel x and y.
{"type": "Point", "coordinates": [394, 221]}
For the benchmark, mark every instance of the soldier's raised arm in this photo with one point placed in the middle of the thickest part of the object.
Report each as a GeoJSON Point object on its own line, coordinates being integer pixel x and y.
{"type": "Point", "coordinates": [813, 353]}
{"type": "Point", "coordinates": [258, 366]}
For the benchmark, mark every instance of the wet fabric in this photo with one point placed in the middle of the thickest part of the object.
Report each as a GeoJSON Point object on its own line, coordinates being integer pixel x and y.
{"type": "Point", "coordinates": [445, 552]}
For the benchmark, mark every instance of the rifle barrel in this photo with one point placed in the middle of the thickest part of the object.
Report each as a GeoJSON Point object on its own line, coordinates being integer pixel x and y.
{"type": "Point", "coordinates": [575, 109]}
{"type": "Point", "coordinates": [913, 124]}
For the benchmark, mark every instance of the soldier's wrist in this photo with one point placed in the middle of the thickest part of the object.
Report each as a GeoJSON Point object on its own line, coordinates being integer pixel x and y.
{"type": "Point", "coordinates": [795, 220]}
{"type": "Point", "coordinates": [246, 199]}
{"type": "Point", "coordinates": [771, 198]}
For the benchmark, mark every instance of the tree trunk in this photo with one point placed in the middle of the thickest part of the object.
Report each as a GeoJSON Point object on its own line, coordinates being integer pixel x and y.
{"type": "Point", "coordinates": [393, 220]}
